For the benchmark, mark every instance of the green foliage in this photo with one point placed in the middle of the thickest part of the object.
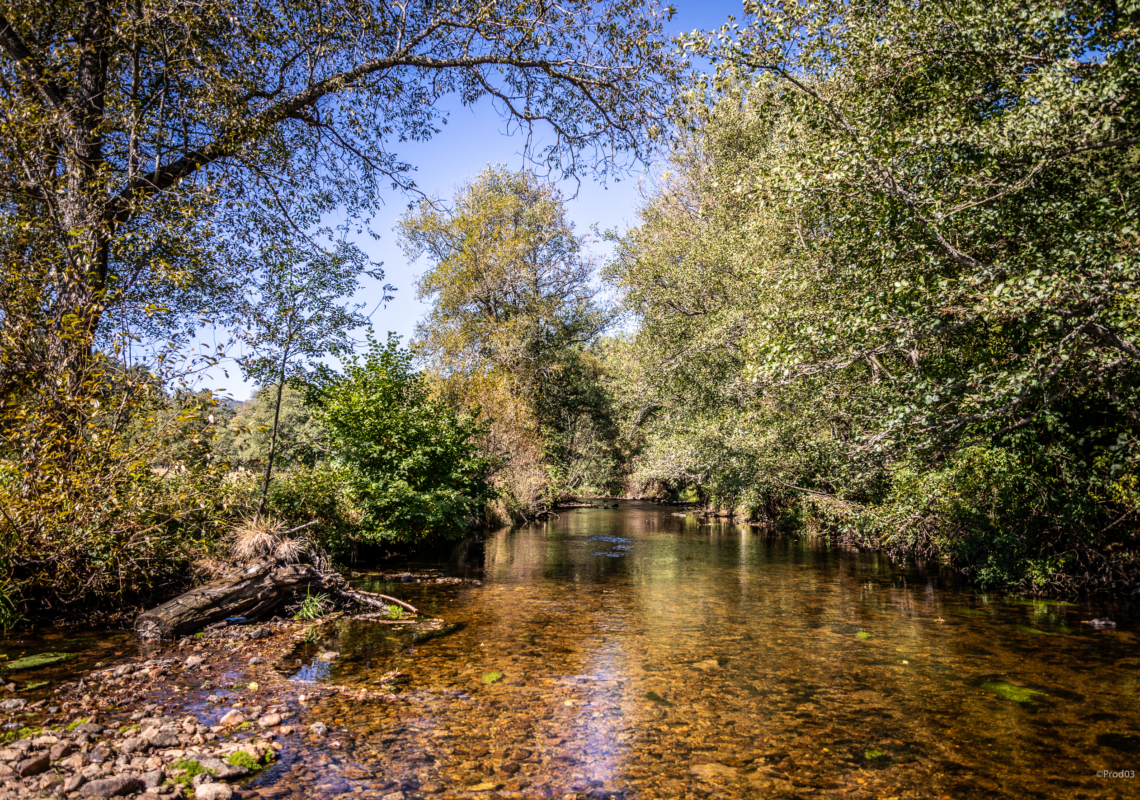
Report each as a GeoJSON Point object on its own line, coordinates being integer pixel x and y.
{"type": "Point", "coordinates": [514, 313]}
{"type": "Point", "coordinates": [890, 280]}
{"type": "Point", "coordinates": [417, 471]}
{"type": "Point", "coordinates": [244, 439]}
{"type": "Point", "coordinates": [323, 493]}
{"type": "Point", "coordinates": [36, 661]}
{"type": "Point", "coordinates": [1010, 691]}
{"type": "Point", "coordinates": [107, 487]}
{"type": "Point", "coordinates": [14, 736]}
{"type": "Point", "coordinates": [313, 606]}
{"type": "Point", "coordinates": [76, 723]}
{"type": "Point", "coordinates": [395, 612]}
{"type": "Point", "coordinates": [191, 769]}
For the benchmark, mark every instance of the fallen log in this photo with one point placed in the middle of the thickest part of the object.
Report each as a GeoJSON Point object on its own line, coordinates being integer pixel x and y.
{"type": "Point", "coordinates": [250, 591]}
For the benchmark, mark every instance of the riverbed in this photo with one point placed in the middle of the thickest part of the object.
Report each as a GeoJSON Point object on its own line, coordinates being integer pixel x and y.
{"type": "Point", "coordinates": [642, 653]}
{"type": "Point", "coordinates": [646, 652]}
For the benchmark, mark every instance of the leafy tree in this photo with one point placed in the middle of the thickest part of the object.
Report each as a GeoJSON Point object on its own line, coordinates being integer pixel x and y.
{"type": "Point", "coordinates": [509, 281]}
{"type": "Point", "coordinates": [244, 438]}
{"type": "Point", "coordinates": [893, 259]}
{"type": "Point", "coordinates": [296, 317]}
{"type": "Point", "coordinates": [417, 469]}
{"type": "Point", "coordinates": [514, 302]}
{"type": "Point", "coordinates": [145, 142]}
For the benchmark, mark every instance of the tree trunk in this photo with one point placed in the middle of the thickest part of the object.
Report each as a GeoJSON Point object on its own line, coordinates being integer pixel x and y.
{"type": "Point", "coordinates": [250, 592]}
{"type": "Point", "coordinates": [273, 435]}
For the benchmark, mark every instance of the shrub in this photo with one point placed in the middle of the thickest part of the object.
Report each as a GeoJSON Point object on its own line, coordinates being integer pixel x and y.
{"type": "Point", "coordinates": [417, 469]}
{"type": "Point", "coordinates": [300, 494]}
{"type": "Point", "coordinates": [106, 493]}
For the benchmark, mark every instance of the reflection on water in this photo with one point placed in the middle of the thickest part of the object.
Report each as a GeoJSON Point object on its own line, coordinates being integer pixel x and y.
{"type": "Point", "coordinates": [81, 651]}
{"type": "Point", "coordinates": [654, 656]}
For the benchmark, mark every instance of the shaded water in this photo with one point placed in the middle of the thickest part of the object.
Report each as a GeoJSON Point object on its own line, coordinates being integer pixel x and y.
{"type": "Point", "coordinates": [649, 655]}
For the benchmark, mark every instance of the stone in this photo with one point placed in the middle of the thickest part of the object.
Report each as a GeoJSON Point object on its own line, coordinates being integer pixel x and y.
{"type": "Point", "coordinates": [319, 729]}
{"type": "Point", "coordinates": [270, 721]}
{"type": "Point", "coordinates": [62, 750]}
{"type": "Point", "coordinates": [253, 662]}
{"type": "Point", "coordinates": [133, 744]}
{"type": "Point", "coordinates": [73, 783]}
{"type": "Point", "coordinates": [8, 754]}
{"type": "Point", "coordinates": [213, 791]}
{"type": "Point", "coordinates": [111, 787]}
{"type": "Point", "coordinates": [231, 718]}
{"type": "Point", "coordinates": [713, 770]}
{"type": "Point", "coordinates": [201, 779]}
{"type": "Point", "coordinates": [154, 778]}
{"type": "Point", "coordinates": [223, 770]}
{"type": "Point", "coordinates": [34, 765]}
{"type": "Point", "coordinates": [710, 665]}
{"type": "Point", "coordinates": [13, 705]}
{"type": "Point", "coordinates": [328, 655]}
{"type": "Point", "coordinates": [75, 761]}
{"type": "Point", "coordinates": [164, 740]}
{"type": "Point", "coordinates": [193, 661]}
{"type": "Point", "coordinates": [99, 754]}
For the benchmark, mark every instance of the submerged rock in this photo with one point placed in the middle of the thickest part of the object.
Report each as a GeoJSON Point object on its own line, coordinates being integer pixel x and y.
{"type": "Point", "coordinates": [1011, 691]}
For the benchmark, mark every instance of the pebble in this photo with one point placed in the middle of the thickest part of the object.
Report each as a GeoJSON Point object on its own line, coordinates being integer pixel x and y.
{"type": "Point", "coordinates": [34, 765]}
{"type": "Point", "coordinates": [232, 718]}
{"type": "Point", "coordinates": [213, 791]}
{"type": "Point", "coordinates": [319, 729]}
{"type": "Point", "coordinates": [111, 787]}
{"type": "Point", "coordinates": [270, 721]}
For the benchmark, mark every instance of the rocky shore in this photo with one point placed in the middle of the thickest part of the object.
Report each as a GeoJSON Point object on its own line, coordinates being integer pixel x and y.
{"type": "Point", "coordinates": [197, 718]}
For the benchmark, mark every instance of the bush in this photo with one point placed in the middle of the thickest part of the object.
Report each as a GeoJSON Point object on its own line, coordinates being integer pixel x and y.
{"type": "Point", "coordinates": [417, 470]}
{"type": "Point", "coordinates": [107, 494]}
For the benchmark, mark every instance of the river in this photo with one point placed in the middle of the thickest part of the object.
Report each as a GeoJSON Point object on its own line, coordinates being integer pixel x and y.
{"type": "Point", "coordinates": [646, 654]}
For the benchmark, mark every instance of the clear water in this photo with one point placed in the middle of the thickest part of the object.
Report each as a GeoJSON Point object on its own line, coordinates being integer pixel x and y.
{"type": "Point", "coordinates": [649, 655]}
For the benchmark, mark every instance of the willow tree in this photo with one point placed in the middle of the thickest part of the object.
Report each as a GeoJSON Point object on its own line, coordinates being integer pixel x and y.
{"type": "Point", "coordinates": [513, 309]}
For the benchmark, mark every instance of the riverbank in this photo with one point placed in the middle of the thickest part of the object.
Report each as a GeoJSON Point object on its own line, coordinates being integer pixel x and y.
{"type": "Point", "coordinates": [203, 717]}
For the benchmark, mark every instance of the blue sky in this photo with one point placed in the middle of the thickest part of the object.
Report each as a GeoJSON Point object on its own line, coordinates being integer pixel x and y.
{"type": "Point", "coordinates": [472, 139]}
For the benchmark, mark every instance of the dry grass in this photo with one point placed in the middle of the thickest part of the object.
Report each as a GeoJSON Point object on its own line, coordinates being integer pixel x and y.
{"type": "Point", "coordinates": [255, 539]}
{"type": "Point", "coordinates": [262, 539]}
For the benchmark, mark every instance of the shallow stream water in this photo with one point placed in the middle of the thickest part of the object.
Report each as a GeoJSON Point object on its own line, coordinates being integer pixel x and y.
{"type": "Point", "coordinates": [644, 654]}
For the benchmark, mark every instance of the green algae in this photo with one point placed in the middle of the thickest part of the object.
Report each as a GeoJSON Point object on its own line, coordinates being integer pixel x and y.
{"type": "Point", "coordinates": [1011, 691]}
{"type": "Point", "coordinates": [863, 635]}
{"type": "Point", "coordinates": [492, 677]}
{"type": "Point", "coordinates": [38, 660]}
{"type": "Point", "coordinates": [656, 698]}
{"type": "Point", "coordinates": [1034, 631]}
